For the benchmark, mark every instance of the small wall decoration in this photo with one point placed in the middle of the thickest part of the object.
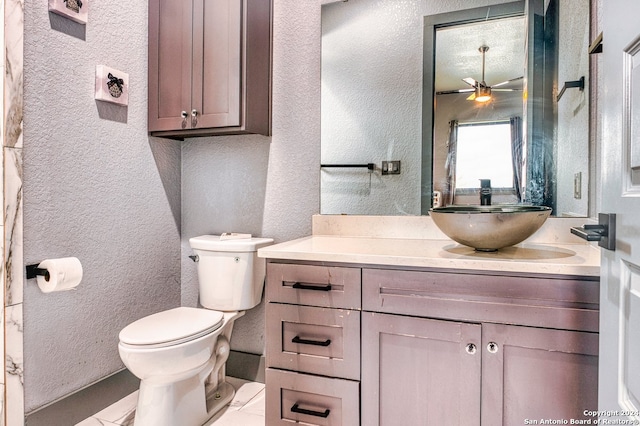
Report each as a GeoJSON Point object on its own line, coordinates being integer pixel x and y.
{"type": "Point", "coordinates": [112, 85]}
{"type": "Point", "coordinates": [76, 10]}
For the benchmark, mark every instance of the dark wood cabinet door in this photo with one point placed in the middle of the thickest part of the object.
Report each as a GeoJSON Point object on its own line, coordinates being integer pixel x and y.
{"type": "Point", "coordinates": [216, 88]}
{"type": "Point", "coordinates": [170, 64]}
{"type": "Point", "coordinates": [418, 371]}
{"type": "Point", "coordinates": [534, 374]}
{"type": "Point", "coordinates": [195, 56]}
{"type": "Point", "coordinates": [209, 67]}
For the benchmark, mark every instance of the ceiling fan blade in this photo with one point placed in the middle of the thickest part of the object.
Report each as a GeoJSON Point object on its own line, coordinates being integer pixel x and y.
{"type": "Point", "coordinates": [449, 92]}
{"type": "Point", "coordinates": [505, 90]}
{"type": "Point", "coordinates": [470, 81]}
{"type": "Point", "coordinates": [507, 82]}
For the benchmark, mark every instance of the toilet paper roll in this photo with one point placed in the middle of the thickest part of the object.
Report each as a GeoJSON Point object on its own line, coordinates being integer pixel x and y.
{"type": "Point", "coordinates": [64, 274]}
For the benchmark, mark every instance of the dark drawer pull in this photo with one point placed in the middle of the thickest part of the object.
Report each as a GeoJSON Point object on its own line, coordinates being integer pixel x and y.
{"type": "Point", "coordinates": [297, 339]}
{"type": "Point", "coordinates": [324, 414]}
{"type": "Point", "coordinates": [312, 287]}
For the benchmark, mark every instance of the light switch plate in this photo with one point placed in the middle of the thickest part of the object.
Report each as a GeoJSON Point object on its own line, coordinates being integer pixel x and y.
{"type": "Point", "coordinates": [391, 167]}
{"type": "Point", "coordinates": [577, 186]}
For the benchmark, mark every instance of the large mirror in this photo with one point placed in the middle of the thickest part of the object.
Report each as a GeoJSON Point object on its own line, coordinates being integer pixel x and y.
{"type": "Point", "coordinates": [399, 82]}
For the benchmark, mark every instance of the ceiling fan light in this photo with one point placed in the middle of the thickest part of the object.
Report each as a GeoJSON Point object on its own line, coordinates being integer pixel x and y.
{"type": "Point", "coordinates": [483, 94]}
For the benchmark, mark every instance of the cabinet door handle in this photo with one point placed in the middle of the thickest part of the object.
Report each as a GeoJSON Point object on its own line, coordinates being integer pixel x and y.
{"type": "Point", "coordinates": [492, 347]}
{"type": "Point", "coordinates": [471, 349]}
{"type": "Point", "coordinates": [297, 339]}
{"type": "Point", "coordinates": [324, 414]}
{"type": "Point", "coordinates": [184, 116]}
{"type": "Point", "coordinates": [194, 117]}
{"type": "Point", "coordinates": [312, 287]}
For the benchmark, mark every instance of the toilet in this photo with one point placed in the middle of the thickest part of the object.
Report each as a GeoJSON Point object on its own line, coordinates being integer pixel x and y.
{"type": "Point", "coordinates": [179, 355]}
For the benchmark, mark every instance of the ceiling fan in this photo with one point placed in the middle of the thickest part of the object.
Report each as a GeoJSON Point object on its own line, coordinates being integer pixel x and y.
{"type": "Point", "coordinates": [481, 90]}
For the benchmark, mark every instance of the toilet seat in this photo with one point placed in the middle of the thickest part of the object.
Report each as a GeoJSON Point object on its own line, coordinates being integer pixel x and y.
{"type": "Point", "coordinates": [171, 327]}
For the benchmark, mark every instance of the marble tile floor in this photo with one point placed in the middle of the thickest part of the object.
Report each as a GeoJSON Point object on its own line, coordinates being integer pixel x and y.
{"type": "Point", "coordinates": [246, 409]}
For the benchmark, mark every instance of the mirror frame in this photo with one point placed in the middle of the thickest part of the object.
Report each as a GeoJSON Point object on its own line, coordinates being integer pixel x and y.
{"type": "Point", "coordinates": [431, 24]}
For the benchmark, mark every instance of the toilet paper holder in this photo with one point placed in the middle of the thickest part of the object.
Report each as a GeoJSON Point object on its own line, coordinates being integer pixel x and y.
{"type": "Point", "coordinates": [34, 271]}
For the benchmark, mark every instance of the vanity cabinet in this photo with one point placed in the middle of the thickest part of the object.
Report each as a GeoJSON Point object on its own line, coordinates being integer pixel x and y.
{"type": "Point", "coordinates": [422, 371]}
{"type": "Point", "coordinates": [503, 349]}
{"type": "Point", "coordinates": [209, 67]}
{"type": "Point", "coordinates": [313, 344]}
{"type": "Point", "coordinates": [436, 346]}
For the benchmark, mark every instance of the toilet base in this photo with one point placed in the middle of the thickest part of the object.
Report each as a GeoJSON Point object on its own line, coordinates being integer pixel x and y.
{"type": "Point", "coordinates": [218, 398]}
{"type": "Point", "coordinates": [186, 397]}
{"type": "Point", "coordinates": [193, 409]}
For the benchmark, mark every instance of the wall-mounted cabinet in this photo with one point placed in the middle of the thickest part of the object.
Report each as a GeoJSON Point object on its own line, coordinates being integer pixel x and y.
{"type": "Point", "coordinates": [209, 67]}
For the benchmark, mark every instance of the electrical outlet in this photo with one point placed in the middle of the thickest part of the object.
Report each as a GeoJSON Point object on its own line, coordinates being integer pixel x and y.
{"type": "Point", "coordinates": [391, 167]}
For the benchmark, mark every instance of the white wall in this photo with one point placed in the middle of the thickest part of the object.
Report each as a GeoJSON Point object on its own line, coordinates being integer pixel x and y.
{"type": "Point", "coordinates": [95, 187]}
{"type": "Point", "coordinates": [267, 186]}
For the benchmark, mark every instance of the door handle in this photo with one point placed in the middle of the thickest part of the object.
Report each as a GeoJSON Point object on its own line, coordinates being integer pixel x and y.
{"type": "Point", "coordinates": [604, 232]}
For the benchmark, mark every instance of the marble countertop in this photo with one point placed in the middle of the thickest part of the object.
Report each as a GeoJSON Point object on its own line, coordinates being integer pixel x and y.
{"type": "Point", "coordinates": [527, 257]}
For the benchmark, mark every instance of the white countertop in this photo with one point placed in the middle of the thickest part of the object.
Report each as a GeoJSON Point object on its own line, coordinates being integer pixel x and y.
{"type": "Point", "coordinates": [528, 257]}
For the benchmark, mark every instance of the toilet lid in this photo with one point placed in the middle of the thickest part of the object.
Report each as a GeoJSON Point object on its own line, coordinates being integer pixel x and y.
{"type": "Point", "coordinates": [171, 327]}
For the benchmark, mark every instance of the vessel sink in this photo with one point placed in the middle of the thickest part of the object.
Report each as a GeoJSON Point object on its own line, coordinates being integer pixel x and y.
{"type": "Point", "coordinates": [489, 228]}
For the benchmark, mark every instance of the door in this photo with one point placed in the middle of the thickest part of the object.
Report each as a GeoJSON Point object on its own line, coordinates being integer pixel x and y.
{"type": "Point", "coordinates": [419, 372]}
{"type": "Point", "coordinates": [537, 373]}
{"type": "Point", "coordinates": [619, 376]}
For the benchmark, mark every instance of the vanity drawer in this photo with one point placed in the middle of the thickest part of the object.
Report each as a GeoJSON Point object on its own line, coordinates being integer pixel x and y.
{"type": "Point", "coordinates": [293, 397]}
{"type": "Point", "coordinates": [313, 285]}
{"type": "Point", "coordinates": [313, 340]}
{"type": "Point", "coordinates": [550, 302]}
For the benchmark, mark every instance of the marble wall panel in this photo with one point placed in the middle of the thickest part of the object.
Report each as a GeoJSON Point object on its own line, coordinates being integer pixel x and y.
{"type": "Point", "coordinates": [13, 258]}
{"type": "Point", "coordinates": [14, 366]}
{"type": "Point", "coordinates": [11, 277]}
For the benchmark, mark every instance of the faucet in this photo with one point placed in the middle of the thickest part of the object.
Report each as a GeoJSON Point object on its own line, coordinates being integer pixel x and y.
{"type": "Point", "coordinates": [485, 192]}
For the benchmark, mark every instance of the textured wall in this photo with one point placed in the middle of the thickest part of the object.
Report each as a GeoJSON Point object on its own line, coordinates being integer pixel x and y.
{"type": "Point", "coordinates": [573, 108]}
{"type": "Point", "coordinates": [96, 187]}
{"type": "Point", "coordinates": [372, 101]}
{"type": "Point", "coordinates": [267, 186]}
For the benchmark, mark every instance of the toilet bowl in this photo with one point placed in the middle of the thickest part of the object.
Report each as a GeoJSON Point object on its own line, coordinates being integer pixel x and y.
{"type": "Point", "coordinates": [179, 355]}
{"type": "Point", "coordinates": [180, 366]}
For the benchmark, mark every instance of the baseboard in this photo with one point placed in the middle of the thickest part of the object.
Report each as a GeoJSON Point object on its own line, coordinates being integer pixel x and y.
{"type": "Point", "coordinates": [246, 366]}
{"type": "Point", "coordinates": [88, 401]}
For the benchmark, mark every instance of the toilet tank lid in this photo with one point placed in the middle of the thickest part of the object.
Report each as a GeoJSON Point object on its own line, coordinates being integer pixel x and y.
{"type": "Point", "coordinates": [214, 243]}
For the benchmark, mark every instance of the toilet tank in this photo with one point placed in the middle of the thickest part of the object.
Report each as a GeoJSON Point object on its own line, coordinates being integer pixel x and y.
{"type": "Point", "coordinates": [230, 273]}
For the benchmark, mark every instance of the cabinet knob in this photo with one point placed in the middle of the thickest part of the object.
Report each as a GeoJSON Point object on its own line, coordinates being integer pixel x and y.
{"type": "Point", "coordinates": [194, 117]}
{"type": "Point", "coordinates": [184, 116]}
{"type": "Point", "coordinates": [492, 347]}
{"type": "Point", "coordinates": [471, 349]}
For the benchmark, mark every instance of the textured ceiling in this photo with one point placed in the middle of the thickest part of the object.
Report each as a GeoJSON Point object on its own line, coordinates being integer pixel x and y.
{"type": "Point", "coordinates": [457, 54]}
